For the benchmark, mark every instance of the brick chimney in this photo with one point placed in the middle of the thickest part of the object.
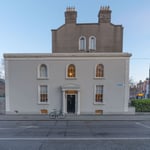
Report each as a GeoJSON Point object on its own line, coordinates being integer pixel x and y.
{"type": "Point", "coordinates": [104, 15]}
{"type": "Point", "coordinates": [70, 15]}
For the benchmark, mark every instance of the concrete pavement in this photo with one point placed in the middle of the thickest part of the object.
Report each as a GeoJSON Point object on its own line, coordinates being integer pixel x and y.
{"type": "Point", "coordinates": [137, 116]}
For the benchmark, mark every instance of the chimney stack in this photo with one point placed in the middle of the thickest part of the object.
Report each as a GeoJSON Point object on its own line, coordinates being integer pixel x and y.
{"type": "Point", "coordinates": [70, 15]}
{"type": "Point", "coordinates": [104, 15]}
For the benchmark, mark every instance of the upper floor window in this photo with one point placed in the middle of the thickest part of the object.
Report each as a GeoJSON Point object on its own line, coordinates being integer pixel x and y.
{"type": "Point", "coordinates": [71, 72]}
{"type": "Point", "coordinates": [43, 73]}
{"type": "Point", "coordinates": [82, 43]}
{"type": "Point", "coordinates": [99, 71]}
{"type": "Point", "coordinates": [92, 43]}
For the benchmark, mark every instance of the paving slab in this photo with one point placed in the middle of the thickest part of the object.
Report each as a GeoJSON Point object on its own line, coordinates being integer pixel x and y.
{"type": "Point", "coordinates": [36, 117]}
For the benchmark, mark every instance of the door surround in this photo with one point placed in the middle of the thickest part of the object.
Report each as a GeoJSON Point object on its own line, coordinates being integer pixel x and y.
{"type": "Point", "coordinates": [71, 89]}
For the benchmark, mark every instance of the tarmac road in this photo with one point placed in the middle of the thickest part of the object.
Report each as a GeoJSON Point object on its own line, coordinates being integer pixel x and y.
{"type": "Point", "coordinates": [75, 135]}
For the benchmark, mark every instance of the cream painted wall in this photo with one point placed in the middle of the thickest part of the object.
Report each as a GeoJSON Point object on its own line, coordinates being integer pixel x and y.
{"type": "Point", "coordinates": [22, 81]}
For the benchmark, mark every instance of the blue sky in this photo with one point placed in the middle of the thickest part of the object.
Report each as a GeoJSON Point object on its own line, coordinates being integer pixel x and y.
{"type": "Point", "coordinates": [25, 26]}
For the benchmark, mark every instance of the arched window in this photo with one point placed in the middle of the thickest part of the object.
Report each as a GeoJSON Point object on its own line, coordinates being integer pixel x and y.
{"type": "Point", "coordinates": [71, 72]}
{"type": "Point", "coordinates": [99, 71]}
{"type": "Point", "coordinates": [82, 43]}
{"type": "Point", "coordinates": [92, 43]}
{"type": "Point", "coordinates": [43, 71]}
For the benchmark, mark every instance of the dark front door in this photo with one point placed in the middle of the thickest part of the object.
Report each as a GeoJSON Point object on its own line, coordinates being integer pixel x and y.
{"type": "Point", "coordinates": [71, 103]}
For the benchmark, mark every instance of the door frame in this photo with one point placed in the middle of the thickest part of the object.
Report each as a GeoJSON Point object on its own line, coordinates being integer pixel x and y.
{"type": "Point", "coordinates": [74, 103]}
{"type": "Point", "coordinates": [72, 89]}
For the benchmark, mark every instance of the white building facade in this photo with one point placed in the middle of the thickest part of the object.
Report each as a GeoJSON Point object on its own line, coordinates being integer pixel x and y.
{"type": "Point", "coordinates": [44, 81]}
{"type": "Point", "coordinates": [82, 82]}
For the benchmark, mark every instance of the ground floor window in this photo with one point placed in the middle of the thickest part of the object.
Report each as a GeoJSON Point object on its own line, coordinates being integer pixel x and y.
{"type": "Point", "coordinates": [99, 94]}
{"type": "Point", "coordinates": [43, 94]}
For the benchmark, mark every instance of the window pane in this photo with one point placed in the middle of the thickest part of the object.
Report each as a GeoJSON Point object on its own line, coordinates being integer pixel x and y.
{"type": "Point", "coordinates": [43, 71]}
{"type": "Point", "coordinates": [71, 71]}
{"type": "Point", "coordinates": [43, 93]}
{"type": "Point", "coordinates": [82, 43]}
{"type": "Point", "coordinates": [92, 43]}
{"type": "Point", "coordinates": [100, 70]}
{"type": "Point", "coordinates": [99, 93]}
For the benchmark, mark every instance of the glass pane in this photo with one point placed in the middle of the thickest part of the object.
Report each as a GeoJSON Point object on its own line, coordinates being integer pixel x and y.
{"type": "Point", "coordinates": [92, 42]}
{"type": "Point", "coordinates": [82, 43]}
{"type": "Point", "coordinates": [43, 93]}
{"type": "Point", "coordinates": [99, 93]}
{"type": "Point", "coordinates": [100, 70]}
{"type": "Point", "coordinates": [43, 71]}
{"type": "Point", "coordinates": [71, 71]}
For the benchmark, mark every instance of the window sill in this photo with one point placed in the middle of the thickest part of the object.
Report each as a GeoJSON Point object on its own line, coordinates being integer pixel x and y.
{"type": "Point", "coordinates": [82, 50]}
{"type": "Point", "coordinates": [92, 50]}
{"type": "Point", "coordinates": [71, 78]}
{"type": "Point", "coordinates": [99, 103]}
{"type": "Point", "coordinates": [43, 103]}
{"type": "Point", "coordinates": [43, 78]}
{"type": "Point", "coordinates": [99, 78]}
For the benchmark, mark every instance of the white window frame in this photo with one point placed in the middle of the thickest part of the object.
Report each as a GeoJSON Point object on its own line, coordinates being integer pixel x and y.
{"type": "Point", "coordinates": [39, 72]}
{"type": "Point", "coordinates": [95, 72]}
{"type": "Point", "coordinates": [95, 91]}
{"type": "Point", "coordinates": [71, 78]}
{"type": "Point", "coordinates": [82, 44]}
{"type": "Point", "coordinates": [39, 94]}
{"type": "Point", "coordinates": [92, 43]}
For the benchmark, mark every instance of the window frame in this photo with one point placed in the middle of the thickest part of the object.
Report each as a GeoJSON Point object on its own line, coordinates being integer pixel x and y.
{"type": "Point", "coordinates": [99, 72]}
{"type": "Point", "coordinates": [100, 92]}
{"type": "Point", "coordinates": [82, 44]}
{"type": "Point", "coordinates": [39, 72]}
{"type": "Point", "coordinates": [67, 72]}
{"type": "Point", "coordinates": [39, 94]}
{"type": "Point", "coordinates": [92, 43]}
